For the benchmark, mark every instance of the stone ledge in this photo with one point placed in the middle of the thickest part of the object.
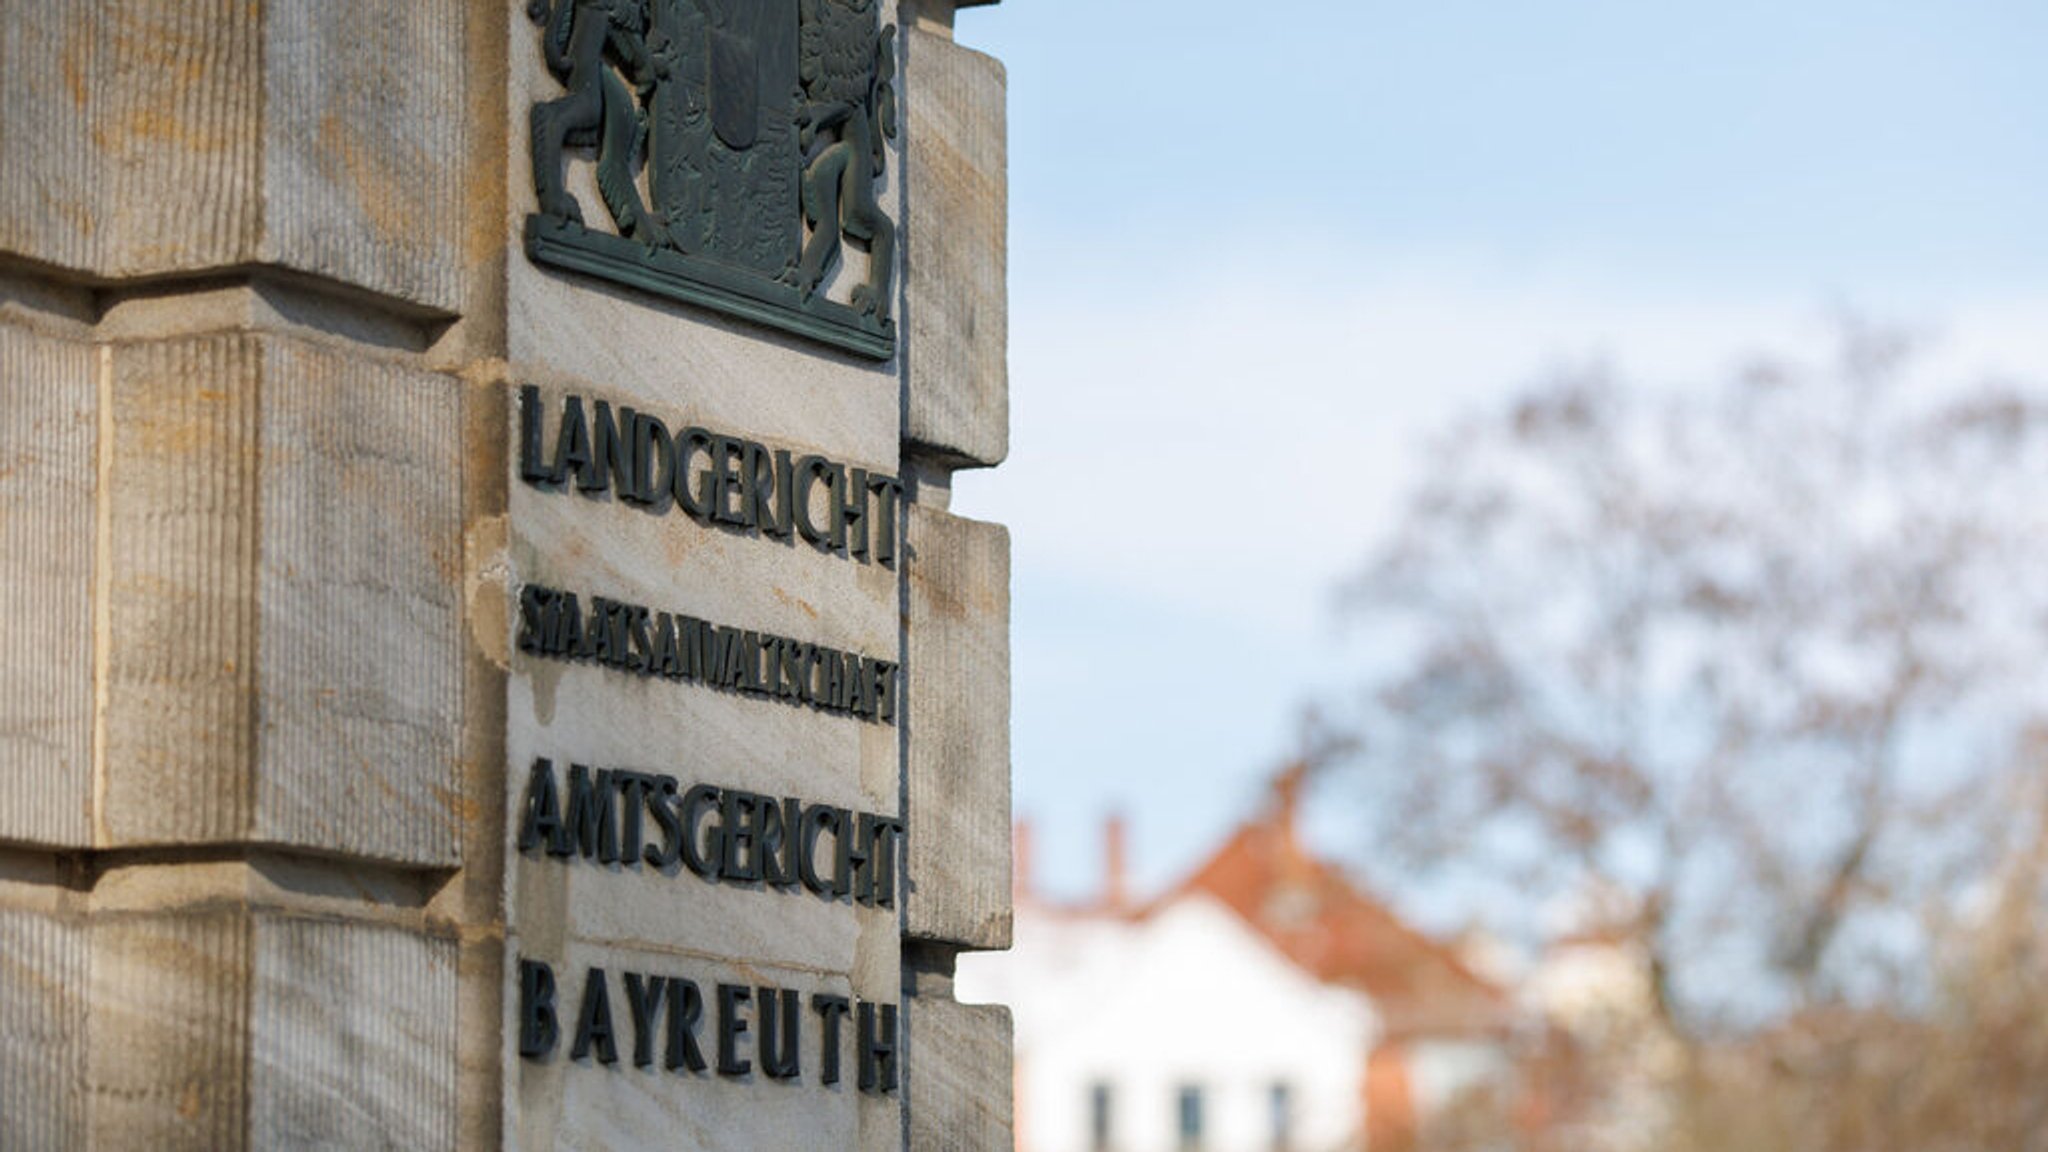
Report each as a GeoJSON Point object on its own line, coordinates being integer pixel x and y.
{"type": "Point", "coordinates": [262, 300]}
{"type": "Point", "coordinates": [961, 1076]}
{"type": "Point", "coordinates": [957, 215]}
{"type": "Point", "coordinates": [958, 787]}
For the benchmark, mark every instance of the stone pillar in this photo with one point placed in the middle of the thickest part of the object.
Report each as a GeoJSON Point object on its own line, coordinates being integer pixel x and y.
{"type": "Point", "coordinates": [957, 618]}
{"type": "Point", "coordinates": [230, 721]}
{"type": "Point", "coordinates": [372, 673]}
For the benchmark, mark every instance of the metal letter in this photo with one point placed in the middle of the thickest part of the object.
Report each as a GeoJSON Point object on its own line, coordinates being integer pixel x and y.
{"type": "Point", "coordinates": [643, 996]}
{"type": "Point", "coordinates": [542, 823]}
{"type": "Point", "coordinates": [877, 1048]}
{"type": "Point", "coordinates": [594, 1023]}
{"type": "Point", "coordinates": [781, 1013]}
{"type": "Point", "coordinates": [731, 1026]}
{"type": "Point", "coordinates": [832, 1009]}
{"type": "Point", "coordinates": [685, 1009]}
{"type": "Point", "coordinates": [537, 1027]}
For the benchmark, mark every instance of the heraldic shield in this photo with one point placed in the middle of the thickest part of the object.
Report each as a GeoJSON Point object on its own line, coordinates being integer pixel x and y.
{"type": "Point", "coordinates": [758, 129]}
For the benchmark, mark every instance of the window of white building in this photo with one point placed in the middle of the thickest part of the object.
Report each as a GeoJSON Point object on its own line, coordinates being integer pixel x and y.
{"type": "Point", "coordinates": [1190, 1118]}
{"type": "Point", "coordinates": [1101, 1116]}
{"type": "Point", "coordinates": [1280, 1113]}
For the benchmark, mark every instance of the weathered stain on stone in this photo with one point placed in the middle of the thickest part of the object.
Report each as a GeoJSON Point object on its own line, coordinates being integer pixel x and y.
{"type": "Point", "coordinates": [489, 589]}
{"type": "Point", "coordinates": [376, 176]}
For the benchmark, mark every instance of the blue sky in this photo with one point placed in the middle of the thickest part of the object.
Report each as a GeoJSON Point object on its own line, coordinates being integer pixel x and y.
{"type": "Point", "coordinates": [1257, 251]}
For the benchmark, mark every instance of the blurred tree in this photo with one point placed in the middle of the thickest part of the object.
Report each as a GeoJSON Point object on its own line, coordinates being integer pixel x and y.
{"type": "Point", "coordinates": [1746, 677]}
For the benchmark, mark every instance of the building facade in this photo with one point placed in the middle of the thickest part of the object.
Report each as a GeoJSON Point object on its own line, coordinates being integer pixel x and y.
{"type": "Point", "coordinates": [1263, 1004]}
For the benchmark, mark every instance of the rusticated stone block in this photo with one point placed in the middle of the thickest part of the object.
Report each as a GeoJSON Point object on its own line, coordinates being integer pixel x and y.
{"type": "Point", "coordinates": [959, 715]}
{"type": "Point", "coordinates": [359, 651]}
{"type": "Point", "coordinates": [353, 1037]}
{"type": "Point", "coordinates": [43, 971]}
{"type": "Point", "coordinates": [48, 441]}
{"type": "Point", "coordinates": [181, 669]}
{"type": "Point", "coordinates": [169, 1026]}
{"type": "Point", "coordinates": [957, 204]}
{"type": "Point", "coordinates": [232, 1028]}
{"type": "Point", "coordinates": [961, 1078]}
{"type": "Point", "coordinates": [365, 117]}
{"type": "Point", "coordinates": [159, 137]}
{"type": "Point", "coordinates": [284, 624]}
{"type": "Point", "coordinates": [46, 82]}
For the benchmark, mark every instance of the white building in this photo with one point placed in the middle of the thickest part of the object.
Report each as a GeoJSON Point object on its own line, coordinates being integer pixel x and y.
{"type": "Point", "coordinates": [1176, 1029]}
{"type": "Point", "coordinates": [1263, 1004]}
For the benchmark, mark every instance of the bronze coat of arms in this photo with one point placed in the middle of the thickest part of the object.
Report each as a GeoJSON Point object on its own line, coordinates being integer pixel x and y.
{"type": "Point", "coordinates": [760, 127]}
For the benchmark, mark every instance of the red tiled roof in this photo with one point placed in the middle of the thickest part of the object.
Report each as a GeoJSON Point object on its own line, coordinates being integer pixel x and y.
{"type": "Point", "coordinates": [1314, 914]}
